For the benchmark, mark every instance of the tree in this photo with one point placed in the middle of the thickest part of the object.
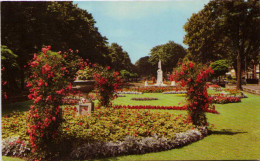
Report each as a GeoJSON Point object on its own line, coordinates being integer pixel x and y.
{"type": "Point", "coordinates": [203, 37]}
{"type": "Point", "coordinates": [119, 58]}
{"type": "Point", "coordinates": [220, 67]}
{"type": "Point", "coordinates": [28, 26]}
{"type": "Point", "coordinates": [169, 53]}
{"type": "Point", "coordinates": [145, 67]}
{"type": "Point", "coordinates": [227, 33]}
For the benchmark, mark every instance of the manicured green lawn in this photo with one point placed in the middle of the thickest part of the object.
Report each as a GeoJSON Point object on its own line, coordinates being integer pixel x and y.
{"type": "Point", "coordinates": [237, 135]}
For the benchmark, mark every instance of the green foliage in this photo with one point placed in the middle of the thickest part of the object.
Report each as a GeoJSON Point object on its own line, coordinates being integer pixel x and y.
{"type": "Point", "coordinates": [220, 67]}
{"type": "Point", "coordinates": [120, 58]}
{"type": "Point", "coordinates": [228, 36]}
{"type": "Point", "coordinates": [14, 124]}
{"type": "Point", "coordinates": [61, 24]}
{"type": "Point", "coordinates": [169, 53]}
{"type": "Point", "coordinates": [125, 73]}
{"type": "Point", "coordinates": [145, 67]}
{"type": "Point", "coordinates": [108, 124]}
{"type": "Point", "coordinates": [85, 74]}
{"type": "Point", "coordinates": [10, 69]}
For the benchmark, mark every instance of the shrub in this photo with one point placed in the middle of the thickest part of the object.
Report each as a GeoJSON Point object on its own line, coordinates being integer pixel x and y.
{"type": "Point", "coordinates": [107, 83]}
{"type": "Point", "coordinates": [192, 76]}
{"type": "Point", "coordinates": [51, 74]}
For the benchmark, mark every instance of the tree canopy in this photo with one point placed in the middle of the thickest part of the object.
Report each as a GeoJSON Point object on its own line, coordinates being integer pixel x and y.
{"type": "Point", "coordinates": [221, 30]}
{"type": "Point", "coordinates": [119, 58]}
{"type": "Point", "coordinates": [220, 67]}
{"type": "Point", "coordinates": [144, 67]}
{"type": "Point", "coordinates": [169, 53]}
{"type": "Point", "coordinates": [28, 26]}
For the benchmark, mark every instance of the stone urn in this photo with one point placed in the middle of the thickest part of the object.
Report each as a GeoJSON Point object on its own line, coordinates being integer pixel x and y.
{"type": "Point", "coordinates": [86, 106]}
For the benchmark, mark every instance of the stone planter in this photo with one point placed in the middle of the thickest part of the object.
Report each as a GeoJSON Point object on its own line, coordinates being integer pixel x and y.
{"type": "Point", "coordinates": [86, 106]}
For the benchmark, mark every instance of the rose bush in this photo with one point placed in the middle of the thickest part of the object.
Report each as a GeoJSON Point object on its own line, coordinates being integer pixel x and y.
{"type": "Point", "coordinates": [107, 83]}
{"type": "Point", "coordinates": [193, 77]}
{"type": "Point", "coordinates": [51, 75]}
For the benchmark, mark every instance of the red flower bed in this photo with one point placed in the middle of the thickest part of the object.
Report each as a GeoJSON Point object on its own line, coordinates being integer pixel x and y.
{"type": "Point", "coordinates": [225, 99]}
{"type": "Point", "coordinates": [144, 99]}
{"type": "Point", "coordinates": [161, 108]}
{"type": "Point", "coordinates": [152, 89]}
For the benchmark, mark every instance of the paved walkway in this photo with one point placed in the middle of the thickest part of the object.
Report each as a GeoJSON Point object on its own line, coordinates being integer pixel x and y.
{"type": "Point", "coordinates": [255, 89]}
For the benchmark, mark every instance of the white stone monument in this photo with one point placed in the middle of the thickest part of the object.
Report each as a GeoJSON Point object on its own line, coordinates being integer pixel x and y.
{"type": "Point", "coordinates": [159, 75]}
{"type": "Point", "coordinates": [173, 83]}
{"type": "Point", "coordinates": [146, 84]}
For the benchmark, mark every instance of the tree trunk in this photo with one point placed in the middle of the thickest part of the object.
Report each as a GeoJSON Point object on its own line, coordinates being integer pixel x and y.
{"type": "Point", "coordinates": [239, 86]}
{"type": "Point", "coordinates": [254, 72]}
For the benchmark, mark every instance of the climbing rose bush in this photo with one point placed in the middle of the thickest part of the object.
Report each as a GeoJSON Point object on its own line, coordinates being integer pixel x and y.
{"type": "Point", "coordinates": [51, 74]}
{"type": "Point", "coordinates": [193, 77]}
{"type": "Point", "coordinates": [107, 83]}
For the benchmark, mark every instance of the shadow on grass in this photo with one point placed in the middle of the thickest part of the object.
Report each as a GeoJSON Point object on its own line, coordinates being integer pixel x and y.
{"type": "Point", "coordinates": [226, 132]}
{"type": "Point", "coordinates": [17, 106]}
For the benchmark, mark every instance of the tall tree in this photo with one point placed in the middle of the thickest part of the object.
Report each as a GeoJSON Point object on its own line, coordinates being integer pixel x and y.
{"type": "Point", "coordinates": [145, 67]}
{"type": "Point", "coordinates": [119, 58]}
{"type": "Point", "coordinates": [27, 26]}
{"type": "Point", "coordinates": [169, 53]}
{"type": "Point", "coordinates": [221, 30]}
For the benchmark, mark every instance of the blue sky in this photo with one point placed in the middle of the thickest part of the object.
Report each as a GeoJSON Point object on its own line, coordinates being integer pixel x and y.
{"type": "Point", "coordinates": [138, 26]}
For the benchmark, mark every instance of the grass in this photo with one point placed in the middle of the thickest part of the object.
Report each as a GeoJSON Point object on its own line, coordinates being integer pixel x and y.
{"type": "Point", "coordinates": [18, 106]}
{"type": "Point", "coordinates": [237, 135]}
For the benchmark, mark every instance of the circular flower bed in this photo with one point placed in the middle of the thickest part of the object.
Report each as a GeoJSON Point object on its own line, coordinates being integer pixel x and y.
{"type": "Point", "coordinates": [144, 98]}
{"type": "Point", "coordinates": [115, 129]}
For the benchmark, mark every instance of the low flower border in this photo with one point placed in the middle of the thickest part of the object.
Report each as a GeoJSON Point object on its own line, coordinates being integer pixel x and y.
{"type": "Point", "coordinates": [160, 108]}
{"type": "Point", "coordinates": [134, 145]}
{"type": "Point", "coordinates": [144, 98]}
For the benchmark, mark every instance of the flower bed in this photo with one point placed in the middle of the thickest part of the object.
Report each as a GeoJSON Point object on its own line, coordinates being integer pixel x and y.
{"type": "Point", "coordinates": [104, 126]}
{"type": "Point", "coordinates": [160, 108]}
{"type": "Point", "coordinates": [135, 145]}
{"type": "Point", "coordinates": [128, 92]}
{"type": "Point", "coordinates": [225, 99]}
{"type": "Point", "coordinates": [121, 95]}
{"type": "Point", "coordinates": [175, 92]}
{"type": "Point", "coordinates": [152, 89]}
{"type": "Point", "coordinates": [144, 98]}
{"type": "Point", "coordinates": [232, 91]}
{"type": "Point", "coordinates": [215, 87]}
